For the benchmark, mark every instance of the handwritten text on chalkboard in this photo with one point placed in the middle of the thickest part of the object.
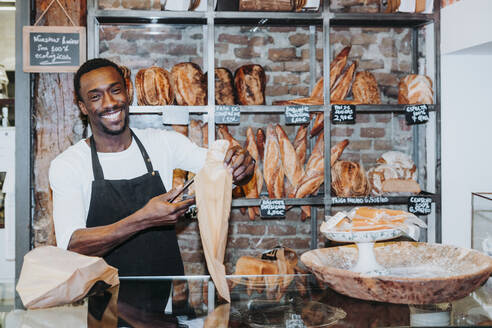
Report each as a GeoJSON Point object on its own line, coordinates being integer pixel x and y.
{"type": "Point", "coordinates": [296, 114]}
{"type": "Point", "coordinates": [419, 205]}
{"type": "Point", "coordinates": [227, 115]}
{"type": "Point", "coordinates": [53, 48]}
{"type": "Point", "coordinates": [343, 114]}
{"type": "Point", "coordinates": [416, 114]}
{"type": "Point", "coordinates": [272, 208]}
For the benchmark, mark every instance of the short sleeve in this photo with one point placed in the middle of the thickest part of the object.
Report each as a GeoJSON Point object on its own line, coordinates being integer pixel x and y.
{"type": "Point", "coordinates": [187, 155]}
{"type": "Point", "coordinates": [68, 204]}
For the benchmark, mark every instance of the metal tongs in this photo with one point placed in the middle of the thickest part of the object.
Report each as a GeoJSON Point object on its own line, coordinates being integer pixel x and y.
{"type": "Point", "coordinates": [186, 185]}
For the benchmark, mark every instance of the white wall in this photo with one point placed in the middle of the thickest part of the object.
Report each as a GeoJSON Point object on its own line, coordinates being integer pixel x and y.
{"type": "Point", "coordinates": [466, 140]}
{"type": "Point", "coordinates": [466, 119]}
{"type": "Point", "coordinates": [7, 39]}
{"type": "Point", "coordinates": [466, 24]}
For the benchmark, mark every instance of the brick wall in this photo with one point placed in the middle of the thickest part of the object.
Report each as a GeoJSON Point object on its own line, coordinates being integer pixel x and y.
{"type": "Point", "coordinates": [284, 53]}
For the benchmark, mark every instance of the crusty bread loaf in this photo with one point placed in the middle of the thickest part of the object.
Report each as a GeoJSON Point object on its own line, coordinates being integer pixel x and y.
{"type": "Point", "coordinates": [342, 86]}
{"type": "Point", "coordinates": [365, 89]}
{"type": "Point", "coordinates": [127, 75]}
{"type": "Point", "coordinates": [318, 124]}
{"type": "Point", "coordinates": [224, 87]}
{"type": "Point", "coordinates": [401, 185]}
{"type": "Point", "coordinates": [154, 87]}
{"type": "Point", "coordinates": [250, 82]}
{"type": "Point", "coordinates": [338, 64]}
{"type": "Point", "coordinates": [349, 179]}
{"type": "Point", "coordinates": [190, 84]}
{"type": "Point", "coordinates": [392, 165]}
{"type": "Point", "coordinates": [415, 89]}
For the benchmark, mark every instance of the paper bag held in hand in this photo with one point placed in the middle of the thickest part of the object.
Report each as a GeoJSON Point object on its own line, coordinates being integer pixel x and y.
{"type": "Point", "coordinates": [52, 276]}
{"type": "Point", "coordinates": [213, 200]}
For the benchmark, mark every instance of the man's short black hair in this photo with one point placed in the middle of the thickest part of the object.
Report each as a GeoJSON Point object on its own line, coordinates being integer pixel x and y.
{"type": "Point", "coordinates": [91, 65]}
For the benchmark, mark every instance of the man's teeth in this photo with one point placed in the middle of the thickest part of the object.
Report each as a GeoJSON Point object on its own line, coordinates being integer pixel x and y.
{"type": "Point", "coordinates": [112, 115]}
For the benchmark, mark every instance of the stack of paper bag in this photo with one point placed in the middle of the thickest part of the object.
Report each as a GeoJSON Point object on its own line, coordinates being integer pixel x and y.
{"type": "Point", "coordinates": [52, 276]}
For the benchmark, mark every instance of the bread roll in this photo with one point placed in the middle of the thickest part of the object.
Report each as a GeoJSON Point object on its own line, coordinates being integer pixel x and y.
{"type": "Point", "coordinates": [154, 87]}
{"type": "Point", "coordinates": [415, 89]}
{"type": "Point", "coordinates": [349, 179]}
{"type": "Point", "coordinates": [190, 84]}
{"type": "Point", "coordinates": [365, 89]}
{"type": "Point", "coordinates": [127, 75]}
{"type": "Point", "coordinates": [224, 87]}
{"type": "Point", "coordinates": [250, 82]}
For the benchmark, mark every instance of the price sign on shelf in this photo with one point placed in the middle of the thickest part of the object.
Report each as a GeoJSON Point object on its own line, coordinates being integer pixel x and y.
{"type": "Point", "coordinates": [227, 115]}
{"type": "Point", "coordinates": [272, 208]}
{"type": "Point", "coordinates": [416, 114]}
{"type": "Point", "coordinates": [343, 114]}
{"type": "Point", "coordinates": [419, 205]}
{"type": "Point", "coordinates": [297, 115]}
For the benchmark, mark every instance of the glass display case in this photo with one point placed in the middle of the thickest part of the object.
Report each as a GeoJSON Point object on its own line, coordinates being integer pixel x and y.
{"type": "Point", "coordinates": [482, 222]}
{"type": "Point", "coordinates": [302, 303]}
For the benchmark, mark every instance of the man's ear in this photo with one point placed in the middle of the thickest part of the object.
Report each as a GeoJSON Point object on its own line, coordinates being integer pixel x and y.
{"type": "Point", "coordinates": [82, 107]}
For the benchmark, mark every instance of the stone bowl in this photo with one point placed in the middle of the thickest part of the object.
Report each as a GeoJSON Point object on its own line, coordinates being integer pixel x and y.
{"type": "Point", "coordinates": [416, 273]}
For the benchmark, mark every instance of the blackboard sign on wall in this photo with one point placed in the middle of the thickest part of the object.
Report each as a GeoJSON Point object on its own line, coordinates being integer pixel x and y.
{"type": "Point", "coordinates": [343, 114]}
{"type": "Point", "coordinates": [420, 205]}
{"type": "Point", "coordinates": [272, 208]}
{"type": "Point", "coordinates": [416, 114]}
{"type": "Point", "coordinates": [297, 115]}
{"type": "Point", "coordinates": [227, 115]}
{"type": "Point", "coordinates": [53, 48]}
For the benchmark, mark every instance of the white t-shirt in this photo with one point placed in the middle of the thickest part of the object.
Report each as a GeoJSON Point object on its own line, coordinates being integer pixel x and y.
{"type": "Point", "coordinates": [71, 174]}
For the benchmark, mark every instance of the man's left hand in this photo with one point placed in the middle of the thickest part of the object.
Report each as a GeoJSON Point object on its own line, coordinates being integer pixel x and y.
{"type": "Point", "coordinates": [241, 165]}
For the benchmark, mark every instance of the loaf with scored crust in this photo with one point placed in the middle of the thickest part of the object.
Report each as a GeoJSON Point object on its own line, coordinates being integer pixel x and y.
{"type": "Point", "coordinates": [250, 82]}
{"type": "Point", "coordinates": [190, 84]}
{"type": "Point", "coordinates": [415, 89]}
{"type": "Point", "coordinates": [365, 89]}
{"type": "Point", "coordinates": [154, 87]}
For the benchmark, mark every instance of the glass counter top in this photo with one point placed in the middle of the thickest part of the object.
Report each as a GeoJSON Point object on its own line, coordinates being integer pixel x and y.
{"type": "Point", "coordinates": [291, 301]}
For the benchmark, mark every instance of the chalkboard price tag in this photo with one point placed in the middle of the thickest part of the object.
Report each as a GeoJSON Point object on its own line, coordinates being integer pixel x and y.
{"type": "Point", "coordinates": [227, 115]}
{"type": "Point", "coordinates": [416, 114]}
{"type": "Point", "coordinates": [53, 48]}
{"type": "Point", "coordinates": [297, 115]}
{"type": "Point", "coordinates": [419, 205]}
{"type": "Point", "coordinates": [272, 208]}
{"type": "Point", "coordinates": [343, 114]}
{"type": "Point", "coordinates": [178, 116]}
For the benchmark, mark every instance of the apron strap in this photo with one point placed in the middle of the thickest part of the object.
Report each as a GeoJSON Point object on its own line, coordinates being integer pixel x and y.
{"type": "Point", "coordinates": [145, 156]}
{"type": "Point", "coordinates": [96, 165]}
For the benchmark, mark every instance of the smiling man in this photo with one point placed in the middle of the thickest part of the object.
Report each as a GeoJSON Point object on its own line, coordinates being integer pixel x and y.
{"type": "Point", "coordinates": [111, 191]}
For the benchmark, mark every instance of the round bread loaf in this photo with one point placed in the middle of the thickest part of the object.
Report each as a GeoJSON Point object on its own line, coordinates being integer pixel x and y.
{"type": "Point", "coordinates": [250, 81]}
{"type": "Point", "coordinates": [154, 87]}
{"type": "Point", "coordinates": [190, 84]}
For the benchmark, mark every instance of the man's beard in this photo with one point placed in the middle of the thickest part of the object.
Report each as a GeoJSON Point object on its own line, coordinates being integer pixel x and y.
{"type": "Point", "coordinates": [120, 131]}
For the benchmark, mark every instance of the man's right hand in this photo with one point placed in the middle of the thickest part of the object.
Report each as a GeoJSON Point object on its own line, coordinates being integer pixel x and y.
{"type": "Point", "coordinates": [159, 211]}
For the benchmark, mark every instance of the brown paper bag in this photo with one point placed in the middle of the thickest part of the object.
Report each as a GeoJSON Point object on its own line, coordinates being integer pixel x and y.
{"type": "Point", "coordinates": [213, 200]}
{"type": "Point", "coordinates": [52, 276]}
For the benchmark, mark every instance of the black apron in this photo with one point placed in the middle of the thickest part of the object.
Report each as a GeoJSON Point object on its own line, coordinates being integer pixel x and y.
{"type": "Point", "coordinates": [151, 252]}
